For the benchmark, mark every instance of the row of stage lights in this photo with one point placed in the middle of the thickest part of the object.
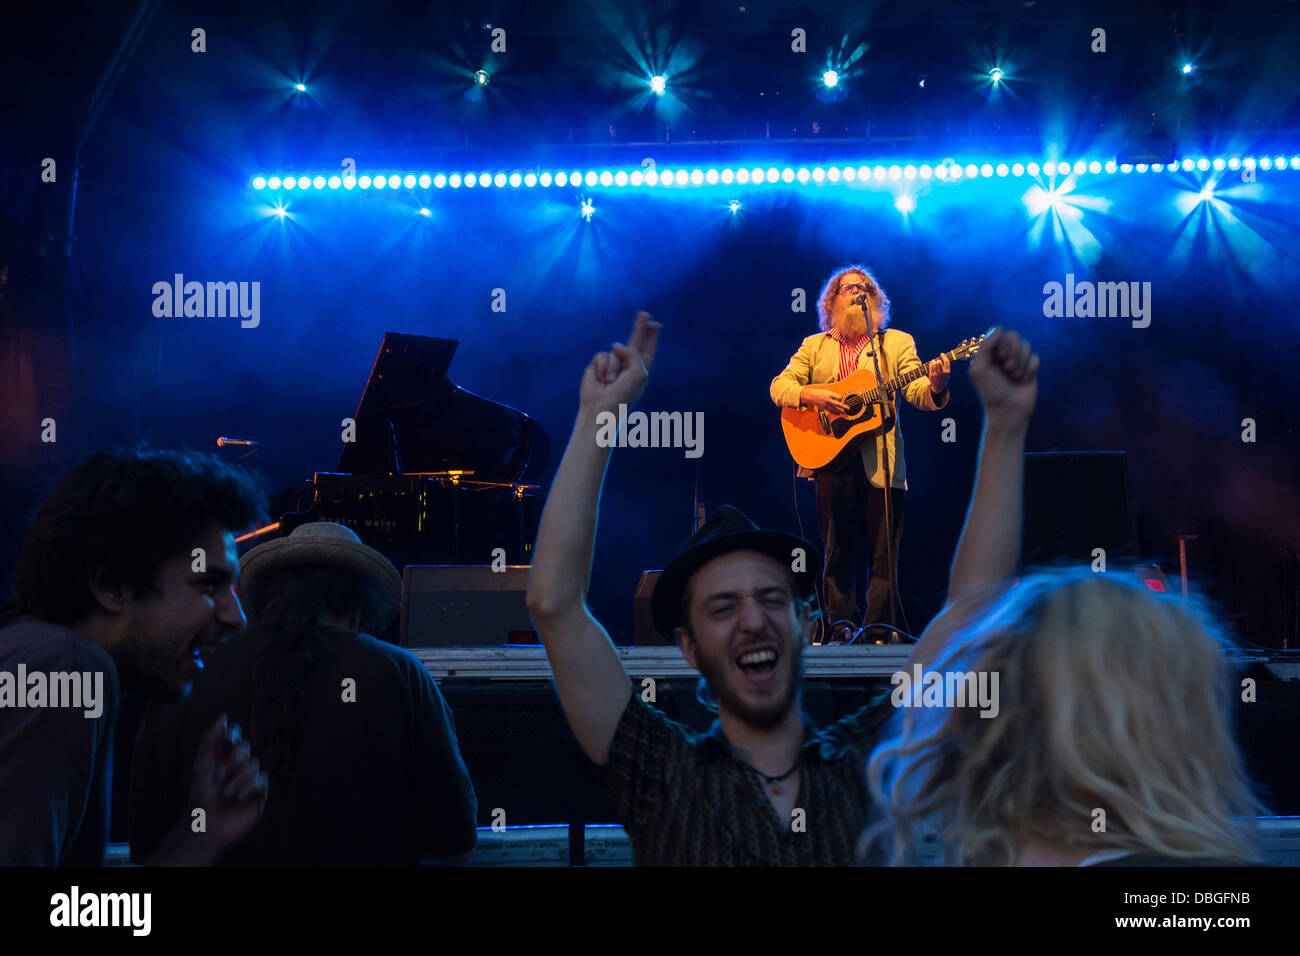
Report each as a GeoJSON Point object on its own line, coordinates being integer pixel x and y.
{"type": "Point", "coordinates": [948, 171]}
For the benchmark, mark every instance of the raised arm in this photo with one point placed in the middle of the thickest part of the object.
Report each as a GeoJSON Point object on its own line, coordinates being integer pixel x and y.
{"type": "Point", "coordinates": [589, 676]}
{"type": "Point", "coordinates": [1005, 372]}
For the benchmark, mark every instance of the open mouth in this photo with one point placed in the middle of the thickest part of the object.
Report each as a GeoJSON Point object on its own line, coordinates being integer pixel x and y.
{"type": "Point", "coordinates": [758, 664]}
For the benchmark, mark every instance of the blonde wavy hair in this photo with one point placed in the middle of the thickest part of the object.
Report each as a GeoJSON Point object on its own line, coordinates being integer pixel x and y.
{"type": "Point", "coordinates": [1110, 697]}
{"type": "Point", "coordinates": [831, 289]}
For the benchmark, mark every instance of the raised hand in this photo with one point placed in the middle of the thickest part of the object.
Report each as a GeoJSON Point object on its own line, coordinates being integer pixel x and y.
{"type": "Point", "coordinates": [618, 377]}
{"type": "Point", "coordinates": [227, 784]}
{"type": "Point", "coordinates": [1005, 372]}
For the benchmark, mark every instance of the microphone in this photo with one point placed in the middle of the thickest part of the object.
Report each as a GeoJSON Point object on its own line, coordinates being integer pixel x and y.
{"type": "Point", "coordinates": [236, 442]}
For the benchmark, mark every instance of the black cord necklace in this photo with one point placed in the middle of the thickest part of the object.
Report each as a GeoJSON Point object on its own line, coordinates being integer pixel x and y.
{"type": "Point", "coordinates": [775, 782]}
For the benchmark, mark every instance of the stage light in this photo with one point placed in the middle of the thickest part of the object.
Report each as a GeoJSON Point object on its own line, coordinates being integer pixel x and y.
{"type": "Point", "coordinates": [818, 174]}
{"type": "Point", "coordinates": [591, 178]}
{"type": "Point", "coordinates": [1002, 169]}
{"type": "Point", "coordinates": [895, 172]}
{"type": "Point", "coordinates": [1111, 166]}
{"type": "Point", "coordinates": [711, 177]}
{"type": "Point", "coordinates": [1207, 192]}
{"type": "Point", "coordinates": [1159, 167]}
{"type": "Point", "coordinates": [515, 179]}
{"type": "Point", "coordinates": [334, 182]}
{"type": "Point", "coordinates": [379, 182]}
{"type": "Point", "coordinates": [955, 171]}
{"type": "Point", "coordinates": [408, 181]}
{"type": "Point", "coordinates": [1202, 164]}
{"type": "Point", "coordinates": [304, 182]}
{"type": "Point", "coordinates": [1295, 162]}
{"type": "Point", "coordinates": [941, 172]}
{"type": "Point", "coordinates": [280, 211]}
{"type": "Point", "coordinates": [986, 170]}
{"type": "Point", "coordinates": [587, 209]}
{"type": "Point", "coordinates": [909, 172]}
{"type": "Point", "coordinates": [1126, 168]}
{"type": "Point", "coordinates": [1234, 163]}
{"type": "Point", "coordinates": [728, 177]}
{"type": "Point", "coordinates": [1280, 162]}
{"type": "Point", "coordinates": [681, 177]}
{"type": "Point", "coordinates": [1187, 69]}
{"type": "Point", "coordinates": [300, 87]}
{"type": "Point", "coordinates": [1249, 162]}
{"type": "Point", "coordinates": [1080, 167]}
{"type": "Point", "coordinates": [833, 174]}
{"type": "Point", "coordinates": [454, 180]}
{"type": "Point", "coordinates": [470, 180]}
{"type": "Point", "coordinates": [425, 181]}
{"type": "Point", "coordinates": [1017, 169]}
{"type": "Point", "coordinates": [850, 174]}
{"type": "Point", "coordinates": [905, 204]}
{"type": "Point", "coordinates": [1141, 167]}
{"type": "Point", "coordinates": [830, 79]}
{"type": "Point", "coordinates": [575, 178]}
{"type": "Point", "coordinates": [1187, 165]}
{"type": "Point", "coordinates": [274, 182]}
{"type": "Point", "coordinates": [802, 175]}
{"type": "Point", "coordinates": [1265, 163]}
{"type": "Point", "coordinates": [481, 78]}
{"type": "Point", "coordinates": [773, 174]}
{"type": "Point", "coordinates": [1094, 167]}
{"type": "Point", "coordinates": [925, 171]}
{"type": "Point", "coordinates": [290, 182]}
{"type": "Point", "coordinates": [620, 178]}
{"type": "Point", "coordinates": [697, 176]}
{"type": "Point", "coordinates": [742, 176]}
{"type": "Point", "coordinates": [971, 170]}
{"type": "Point", "coordinates": [658, 84]}
{"type": "Point", "coordinates": [363, 182]}
{"type": "Point", "coordinates": [734, 206]}
{"type": "Point", "coordinates": [651, 177]}
{"type": "Point", "coordinates": [439, 181]}
{"type": "Point", "coordinates": [995, 75]}
{"type": "Point", "coordinates": [424, 211]}
{"type": "Point", "coordinates": [787, 175]}
{"type": "Point", "coordinates": [1032, 169]}
{"type": "Point", "coordinates": [636, 178]}
{"type": "Point", "coordinates": [395, 180]}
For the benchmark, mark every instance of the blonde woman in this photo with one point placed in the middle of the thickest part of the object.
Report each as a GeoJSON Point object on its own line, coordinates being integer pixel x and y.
{"type": "Point", "coordinates": [1109, 739]}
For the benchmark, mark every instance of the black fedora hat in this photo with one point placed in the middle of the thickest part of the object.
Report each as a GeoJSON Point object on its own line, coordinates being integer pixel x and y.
{"type": "Point", "coordinates": [728, 529]}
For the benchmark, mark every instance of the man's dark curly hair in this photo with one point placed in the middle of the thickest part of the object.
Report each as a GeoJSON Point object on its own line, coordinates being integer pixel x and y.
{"type": "Point", "coordinates": [116, 517]}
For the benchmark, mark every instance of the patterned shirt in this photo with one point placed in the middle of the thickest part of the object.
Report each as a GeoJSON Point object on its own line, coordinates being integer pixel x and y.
{"type": "Point", "coordinates": [686, 799]}
{"type": "Point", "coordinates": [849, 352]}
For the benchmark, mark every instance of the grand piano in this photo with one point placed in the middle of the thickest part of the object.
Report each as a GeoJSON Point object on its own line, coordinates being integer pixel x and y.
{"type": "Point", "coordinates": [435, 475]}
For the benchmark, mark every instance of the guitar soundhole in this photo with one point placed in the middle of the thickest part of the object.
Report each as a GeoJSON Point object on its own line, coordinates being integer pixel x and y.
{"type": "Point", "coordinates": [854, 404]}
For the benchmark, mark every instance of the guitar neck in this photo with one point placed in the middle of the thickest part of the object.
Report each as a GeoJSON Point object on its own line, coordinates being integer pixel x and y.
{"type": "Point", "coordinates": [894, 384]}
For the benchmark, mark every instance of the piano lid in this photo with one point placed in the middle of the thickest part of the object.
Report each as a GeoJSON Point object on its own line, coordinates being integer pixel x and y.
{"type": "Point", "coordinates": [413, 418]}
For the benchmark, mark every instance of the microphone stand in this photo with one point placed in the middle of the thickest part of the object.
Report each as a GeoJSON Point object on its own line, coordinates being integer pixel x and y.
{"type": "Point", "coordinates": [889, 479]}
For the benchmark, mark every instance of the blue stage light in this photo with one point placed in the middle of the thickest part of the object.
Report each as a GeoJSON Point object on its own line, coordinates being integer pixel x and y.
{"type": "Point", "coordinates": [1187, 68]}
{"type": "Point", "coordinates": [1080, 168]}
{"type": "Point", "coordinates": [658, 84]}
{"type": "Point", "coordinates": [575, 178]}
{"type": "Point", "coordinates": [971, 170]}
{"type": "Point", "coordinates": [1187, 165]}
{"type": "Point", "coordinates": [515, 179]}
{"type": "Point", "coordinates": [728, 177]}
{"type": "Point", "coordinates": [439, 181]}
{"type": "Point", "coordinates": [1126, 168]}
{"type": "Point", "coordinates": [304, 182]}
{"type": "Point", "coordinates": [379, 182]}
{"type": "Point", "coordinates": [1234, 163]}
{"type": "Point", "coordinates": [818, 174]}
{"type": "Point", "coordinates": [454, 180]}
{"type": "Point", "coordinates": [1001, 170]}
{"type": "Point", "coordinates": [499, 180]}
{"type": "Point", "coordinates": [905, 204]}
{"type": "Point", "coordinates": [394, 181]}
{"type": "Point", "coordinates": [274, 182]}
{"type": "Point", "coordinates": [1295, 162]}
{"type": "Point", "coordinates": [424, 211]}
{"type": "Point", "coordinates": [1094, 167]}
{"type": "Point", "coordinates": [620, 178]}
{"type": "Point", "coordinates": [587, 209]}
{"type": "Point", "coordinates": [833, 174]}
{"type": "Point", "coordinates": [681, 177]}
{"type": "Point", "coordinates": [895, 172]}
{"type": "Point", "coordinates": [481, 78]}
{"type": "Point", "coordinates": [280, 211]}
{"type": "Point", "coordinates": [363, 182]}
{"type": "Point", "coordinates": [909, 172]}
{"type": "Point", "coordinates": [408, 181]}
{"type": "Point", "coordinates": [830, 79]}
{"type": "Point", "coordinates": [1032, 169]}
{"type": "Point", "coordinates": [742, 176]}
{"type": "Point", "coordinates": [773, 174]}
{"type": "Point", "coordinates": [1017, 169]}
{"type": "Point", "coordinates": [530, 179]}
{"type": "Point", "coordinates": [1265, 163]}
{"type": "Point", "coordinates": [734, 206]}
{"type": "Point", "coordinates": [636, 178]}
{"type": "Point", "coordinates": [941, 172]}
{"type": "Point", "coordinates": [995, 75]}
{"type": "Point", "coordinates": [334, 182]}
{"type": "Point", "coordinates": [561, 178]}
{"type": "Point", "coordinates": [259, 182]}
{"type": "Point", "coordinates": [802, 174]}
{"type": "Point", "coordinates": [787, 175]}
{"type": "Point", "coordinates": [1141, 167]}
{"type": "Point", "coordinates": [1202, 164]}
{"type": "Point", "coordinates": [850, 174]}
{"type": "Point", "coordinates": [470, 180]}
{"type": "Point", "coordinates": [1159, 167]}
{"type": "Point", "coordinates": [925, 171]}
{"type": "Point", "coordinates": [290, 182]}
{"type": "Point", "coordinates": [544, 179]}
{"type": "Point", "coordinates": [425, 181]}
{"type": "Point", "coordinates": [1111, 166]}
{"type": "Point", "coordinates": [711, 176]}
{"type": "Point", "coordinates": [697, 176]}
{"type": "Point", "coordinates": [300, 87]}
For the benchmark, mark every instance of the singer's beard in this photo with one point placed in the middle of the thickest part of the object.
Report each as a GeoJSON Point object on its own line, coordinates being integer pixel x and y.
{"type": "Point", "coordinates": [852, 323]}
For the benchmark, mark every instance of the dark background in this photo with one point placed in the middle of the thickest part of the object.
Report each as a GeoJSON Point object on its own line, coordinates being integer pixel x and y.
{"type": "Point", "coordinates": [163, 187]}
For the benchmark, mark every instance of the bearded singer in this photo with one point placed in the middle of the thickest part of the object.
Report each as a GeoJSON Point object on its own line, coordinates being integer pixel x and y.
{"type": "Point", "coordinates": [854, 314]}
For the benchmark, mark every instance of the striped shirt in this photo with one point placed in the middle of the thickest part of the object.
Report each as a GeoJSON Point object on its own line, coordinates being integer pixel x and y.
{"type": "Point", "coordinates": [849, 352]}
{"type": "Point", "coordinates": [686, 799]}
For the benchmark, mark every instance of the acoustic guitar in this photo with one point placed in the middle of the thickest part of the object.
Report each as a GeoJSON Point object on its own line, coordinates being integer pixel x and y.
{"type": "Point", "coordinates": [820, 439]}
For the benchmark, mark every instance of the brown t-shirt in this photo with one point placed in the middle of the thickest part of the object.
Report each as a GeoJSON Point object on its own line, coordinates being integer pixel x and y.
{"type": "Point", "coordinates": [686, 799]}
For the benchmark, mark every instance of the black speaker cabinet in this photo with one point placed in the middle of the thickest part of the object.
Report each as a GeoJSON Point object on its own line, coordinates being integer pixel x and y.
{"type": "Point", "coordinates": [1075, 502]}
{"type": "Point", "coordinates": [464, 606]}
{"type": "Point", "coordinates": [643, 624]}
